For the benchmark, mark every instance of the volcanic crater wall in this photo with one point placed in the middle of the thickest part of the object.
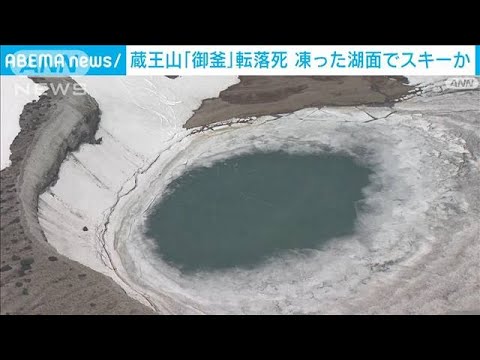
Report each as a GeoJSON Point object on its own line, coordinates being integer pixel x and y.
{"type": "Point", "coordinates": [34, 278]}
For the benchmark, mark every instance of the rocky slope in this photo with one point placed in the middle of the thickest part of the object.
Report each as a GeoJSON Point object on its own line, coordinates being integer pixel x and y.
{"type": "Point", "coordinates": [34, 278]}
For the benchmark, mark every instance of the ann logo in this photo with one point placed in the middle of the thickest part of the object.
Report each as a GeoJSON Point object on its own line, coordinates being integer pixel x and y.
{"type": "Point", "coordinates": [462, 83]}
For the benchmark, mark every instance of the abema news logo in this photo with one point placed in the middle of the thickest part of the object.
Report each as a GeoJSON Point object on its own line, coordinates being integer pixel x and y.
{"type": "Point", "coordinates": [63, 60]}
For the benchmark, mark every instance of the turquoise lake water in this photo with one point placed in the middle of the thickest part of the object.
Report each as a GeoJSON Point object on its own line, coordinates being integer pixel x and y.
{"type": "Point", "coordinates": [243, 210]}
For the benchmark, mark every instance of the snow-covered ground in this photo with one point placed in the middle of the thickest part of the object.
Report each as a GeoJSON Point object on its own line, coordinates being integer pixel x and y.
{"type": "Point", "coordinates": [15, 92]}
{"type": "Point", "coordinates": [416, 247]}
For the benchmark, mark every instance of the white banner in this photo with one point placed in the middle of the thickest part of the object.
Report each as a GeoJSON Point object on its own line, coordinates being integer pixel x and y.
{"type": "Point", "coordinates": [301, 60]}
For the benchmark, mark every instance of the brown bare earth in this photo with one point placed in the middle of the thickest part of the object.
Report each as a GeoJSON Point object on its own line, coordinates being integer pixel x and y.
{"type": "Point", "coordinates": [271, 95]}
